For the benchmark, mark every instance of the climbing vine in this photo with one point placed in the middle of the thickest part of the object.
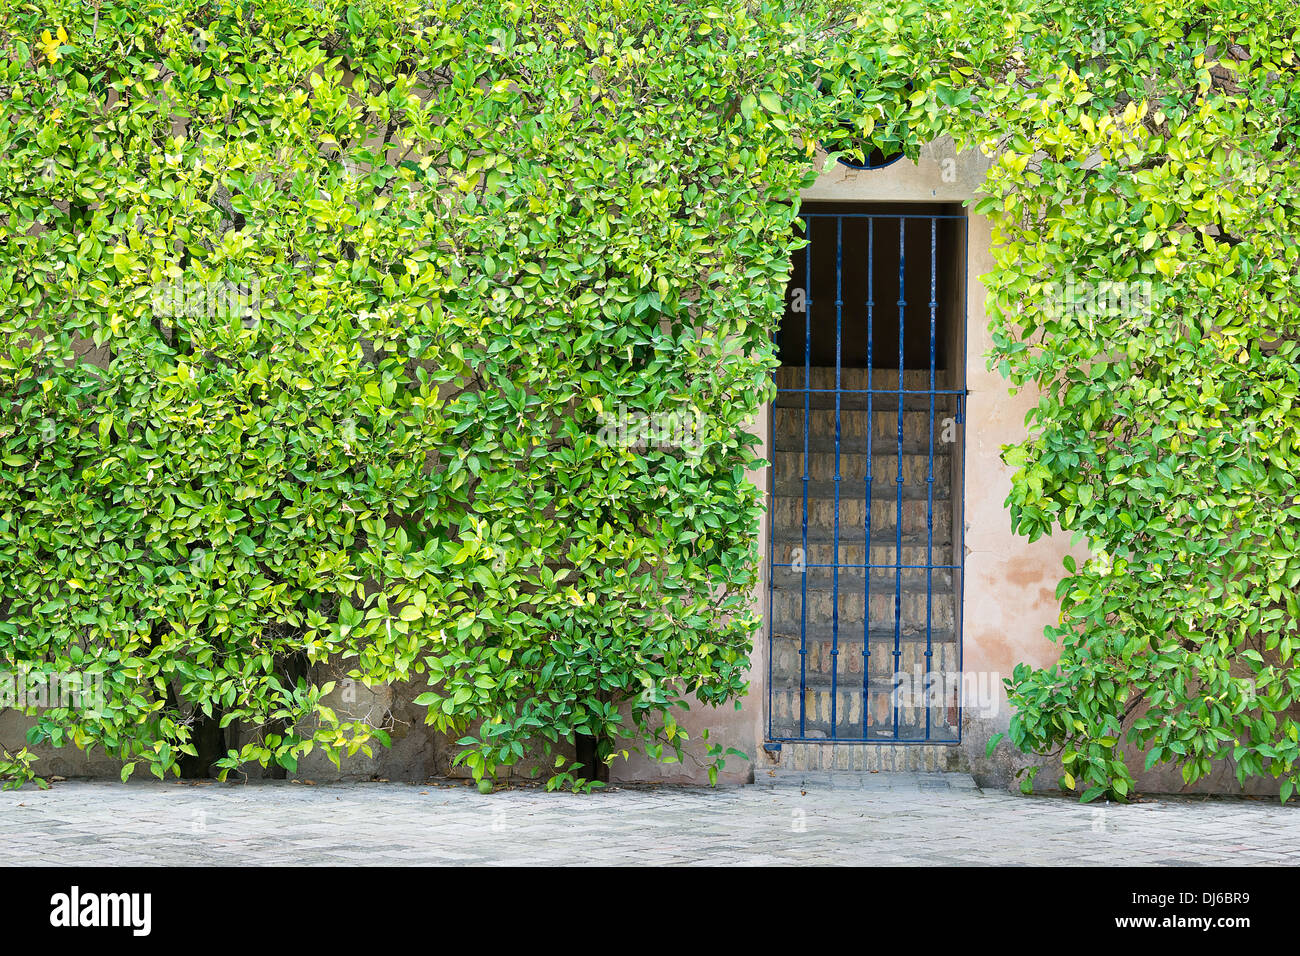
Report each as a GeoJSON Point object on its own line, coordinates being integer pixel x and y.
{"type": "Point", "coordinates": [1145, 202]}
{"type": "Point", "coordinates": [316, 316]}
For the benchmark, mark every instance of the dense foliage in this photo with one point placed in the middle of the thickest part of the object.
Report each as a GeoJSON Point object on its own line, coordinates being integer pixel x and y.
{"type": "Point", "coordinates": [1147, 200]}
{"type": "Point", "coordinates": [449, 246]}
{"type": "Point", "coordinates": [462, 239]}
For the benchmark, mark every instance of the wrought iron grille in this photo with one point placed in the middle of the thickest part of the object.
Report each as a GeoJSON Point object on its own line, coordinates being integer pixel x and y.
{"type": "Point", "coordinates": [867, 452]}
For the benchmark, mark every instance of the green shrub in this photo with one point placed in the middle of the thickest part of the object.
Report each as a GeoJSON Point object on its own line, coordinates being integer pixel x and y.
{"type": "Point", "coordinates": [1146, 201]}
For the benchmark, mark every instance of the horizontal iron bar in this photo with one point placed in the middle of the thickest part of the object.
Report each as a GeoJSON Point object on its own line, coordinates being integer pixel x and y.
{"type": "Point", "coordinates": [858, 443]}
{"type": "Point", "coordinates": [938, 742]}
{"type": "Point", "coordinates": [852, 635]}
{"type": "Point", "coordinates": [957, 217]}
{"type": "Point", "coordinates": [824, 488]}
{"type": "Point", "coordinates": [877, 391]}
{"type": "Point", "coordinates": [937, 567]}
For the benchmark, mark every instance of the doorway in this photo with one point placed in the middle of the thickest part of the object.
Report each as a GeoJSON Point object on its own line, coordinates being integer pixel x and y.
{"type": "Point", "coordinates": [865, 552]}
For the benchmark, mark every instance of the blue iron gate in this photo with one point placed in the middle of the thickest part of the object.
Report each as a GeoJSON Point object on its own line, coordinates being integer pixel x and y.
{"type": "Point", "coordinates": [847, 408]}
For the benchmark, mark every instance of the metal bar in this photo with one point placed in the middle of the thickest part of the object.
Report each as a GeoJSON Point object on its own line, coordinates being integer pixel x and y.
{"type": "Point", "coordinates": [929, 486]}
{"type": "Point", "coordinates": [835, 582]}
{"type": "Point", "coordinates": [771, 553]}
{"type": "Point", "coordinates": [898, 520]}
{"type": "Point", "coordinates": [867, 480]}
{"type": "Point", "coordinates": [881, 215]}
{"type": "Point", "coordinates": [883, 741]}
{"type": "Point", "coordinates": [960, 556]}
{"type": "Point", "coordinates": [877, 391]}
{"type": "Point", "coordinates": [807, 376]}
{"type": "Point", "coordinates": [877, 567]}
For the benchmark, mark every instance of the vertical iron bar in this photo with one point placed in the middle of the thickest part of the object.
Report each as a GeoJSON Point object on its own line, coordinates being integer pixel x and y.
{"type": "Point", "coordinates": [898, 518]}
{"type": "Point", "coordinates": [929, 500]}
{"type": "Point", "coordinates": [835, 572]}
{"type": "Point", "coordinates": [959, 558]}
{"type": "Point", "coordinates": [807, 376]}
{"type": "Point", "coordinates": [866, 524]}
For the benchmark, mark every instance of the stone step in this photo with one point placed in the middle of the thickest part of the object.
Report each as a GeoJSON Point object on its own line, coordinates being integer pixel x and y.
{"type": "Point", "coordinates": [910, 633]}
{"type": "Point", "coordinates": [882, 488]}
{"type": "Point", "coordinates": [851, 579]}
{"type": "Point", "coordinates": [913, 402]}
{"type": "Point", "coordinates": [849, 715]}
{"type": "Point", "coordinates": [787, 520]}
{"type": "Point", "coordinates": [818, 659]}
{"type": "Point", "coordinates": [818, 606]}
{"type": "Point", "coordinates": [881, 445]}
{"type": "Point", "coordinates": [852, 469]}
{"type": "Point", "coordinates": [886, 766]}
{"type": "Point", "coordinates": [788, 425]}
{"type": "Point", "coordinates": [824, 376]}
{"type": "Point", "coordinates": [788, 545]}
{"type": "Point", "coordinates": [820, 556]}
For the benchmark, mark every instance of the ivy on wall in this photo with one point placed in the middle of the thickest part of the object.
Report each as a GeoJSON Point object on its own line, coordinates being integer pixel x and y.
{"type": "Point", "coordinates": [417, 346]}
{"type": "Point", "coordinates": [1147, 202]}
{"type": "Point", "coordinates": [375, 295]}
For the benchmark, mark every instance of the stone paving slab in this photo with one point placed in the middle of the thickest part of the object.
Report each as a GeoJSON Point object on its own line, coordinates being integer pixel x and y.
{"type": "Point", "coordinates": [918, 819]}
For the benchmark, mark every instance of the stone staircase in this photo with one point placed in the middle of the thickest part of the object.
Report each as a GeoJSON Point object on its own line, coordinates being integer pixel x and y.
{"type": "Point", "coordinates": [851, 664]}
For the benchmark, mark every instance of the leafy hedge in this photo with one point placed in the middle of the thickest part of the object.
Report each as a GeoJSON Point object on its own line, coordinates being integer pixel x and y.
{"type": "Point", "coordinates": [451, 244]}
{"type": "Point", "coordinates": [1157, 168]}
{"type": "Point", "coordinates": [459, 243]}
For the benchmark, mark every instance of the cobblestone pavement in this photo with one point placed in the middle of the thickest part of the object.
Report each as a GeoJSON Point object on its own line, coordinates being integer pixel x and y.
{"type": "Point", "coordinates": [872, 819]}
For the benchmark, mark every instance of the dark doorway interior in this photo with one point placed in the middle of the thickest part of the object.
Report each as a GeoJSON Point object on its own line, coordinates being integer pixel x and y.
{"type": "Point", "coordinates": [868, 268]}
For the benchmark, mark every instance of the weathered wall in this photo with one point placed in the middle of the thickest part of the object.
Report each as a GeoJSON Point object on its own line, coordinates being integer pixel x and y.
{"type": "Point", "coordinates": [743, 728]}
{"type": "Point", "coordinates": [1010, 583]}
